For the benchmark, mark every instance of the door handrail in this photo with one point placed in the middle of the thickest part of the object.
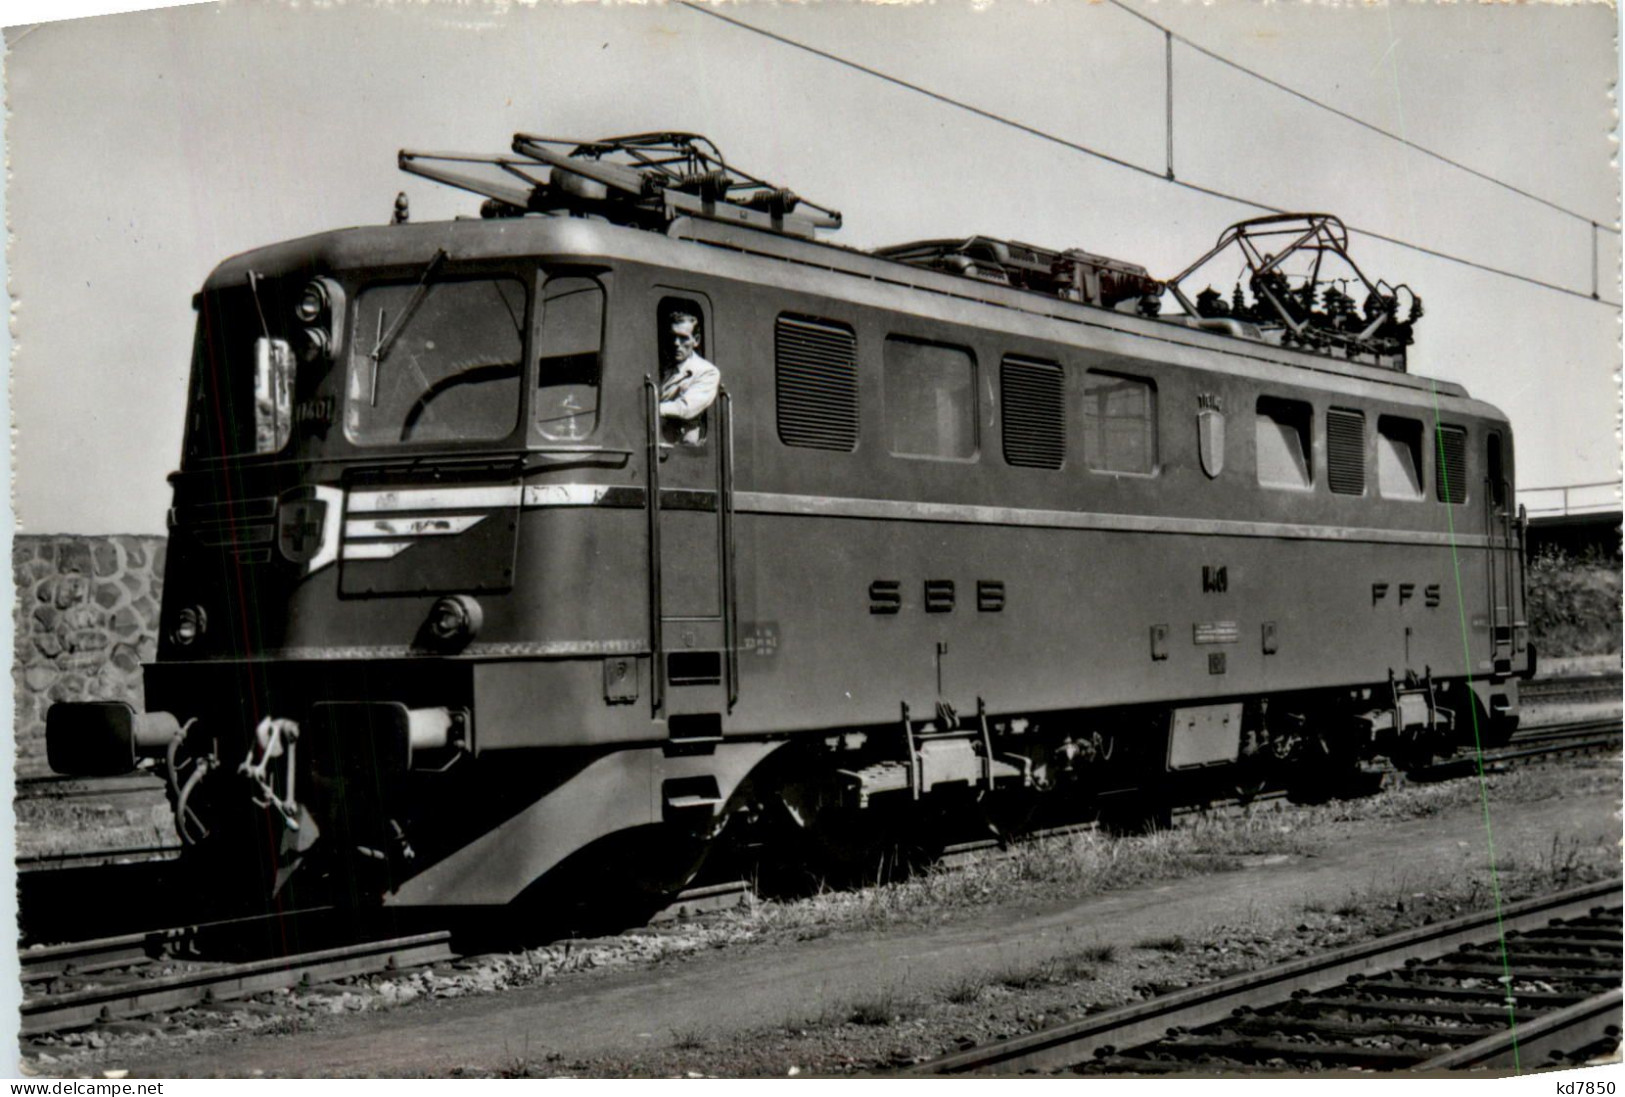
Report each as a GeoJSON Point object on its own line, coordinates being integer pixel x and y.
{"type": "Point", "coordinates": [725, 518]}
{"type": "Point", "coordinates": [657, 664]}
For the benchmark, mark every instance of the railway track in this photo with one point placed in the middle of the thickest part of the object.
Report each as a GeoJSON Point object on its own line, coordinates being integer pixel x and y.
{"type": "Point", "coordinates": [131, 975]}
{"type": "Point", "coordinates": [97, 858]}
{"type": "Point", "coordinates": [1536, 985]}
{"type": "Point", "coordinates": [54, 787]}
{"type": "Point", "coordinates": [1573, 737]}
{"type": "Point", "coordinates": [1572, 688]}
{"type": "Point", "coordinates": [83, 983]}
{"type": "Point", "coordinates": [78, 985]}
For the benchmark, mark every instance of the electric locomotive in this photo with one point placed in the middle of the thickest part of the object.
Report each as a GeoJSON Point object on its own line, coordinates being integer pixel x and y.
{"type": "Point", "coordinates": [972, 533]}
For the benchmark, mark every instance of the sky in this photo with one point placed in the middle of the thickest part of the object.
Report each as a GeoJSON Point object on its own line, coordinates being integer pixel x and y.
{"type": "Point", "coordinates": [146, 147]}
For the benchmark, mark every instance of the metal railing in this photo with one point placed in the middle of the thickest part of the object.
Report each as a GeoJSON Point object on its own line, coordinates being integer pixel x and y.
{"type": "Point", "coordinates": [1560, 500]}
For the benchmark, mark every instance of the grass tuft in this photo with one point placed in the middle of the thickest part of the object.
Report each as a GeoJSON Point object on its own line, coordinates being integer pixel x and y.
{"type": "Point", "coordinates": [877, 1010]}
{"type": "Point", "coordinates": [1024, 977]}
{"type": "Point", "coordinates": [687, 1039]}
{"type": "Point", "coordinates": [1175, 943]}
{"type": "Point", "coordinates": [1098, 954]}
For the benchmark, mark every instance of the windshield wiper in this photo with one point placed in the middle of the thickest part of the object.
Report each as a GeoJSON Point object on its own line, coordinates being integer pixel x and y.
{"type": "Point", "coordinates": [386, 339]}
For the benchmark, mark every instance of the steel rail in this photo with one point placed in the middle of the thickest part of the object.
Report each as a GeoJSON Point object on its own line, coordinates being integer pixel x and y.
{"type": "Point", "coordinates": [135, 995]}
{"type": "Point", "coordinates": [1567, 730]}
{"type": "Point", "coordinates": [73, 958]}
{"type": "Point", "coordinates": [1562, 747]}
{"type": "Point", "coordinates": [50, 1012]}
{"type": "Point", "coordinates": [1548, 690]}
{"type": "Point", "coordinates": [57, 787]}
{"type": "Point", "coordinates": [1546, 742]}
{"type": "Point", "coordinates": [1063, 1046]}
{"type": "Point", "coordinates": [1551, 1036]}
{"type": "Point", "coordinates": [1563, 681]}
{"type": "Point", "coordinates": [95, 858]}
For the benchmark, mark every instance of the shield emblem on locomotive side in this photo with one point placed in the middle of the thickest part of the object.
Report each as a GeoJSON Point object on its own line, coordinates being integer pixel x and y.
{"type": "Point", "coordinates": [299, 525]}
{"type": "Point", "coordinates": [1210, 439]}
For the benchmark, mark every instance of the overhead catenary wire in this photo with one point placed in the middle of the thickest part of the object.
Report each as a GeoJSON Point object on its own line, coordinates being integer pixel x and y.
{"type": "Point", "coordinates": [1044, 135]}
{"type": "Point", "coordinates": [1175, 36]}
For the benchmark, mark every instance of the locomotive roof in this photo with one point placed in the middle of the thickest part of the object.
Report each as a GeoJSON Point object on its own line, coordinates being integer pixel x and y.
{"type": "Point", "coordinates": [727, 251]}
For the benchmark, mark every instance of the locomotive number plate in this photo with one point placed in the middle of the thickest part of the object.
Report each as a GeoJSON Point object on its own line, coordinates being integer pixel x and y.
{"type": "Point", "coordinates": [1217, 632]}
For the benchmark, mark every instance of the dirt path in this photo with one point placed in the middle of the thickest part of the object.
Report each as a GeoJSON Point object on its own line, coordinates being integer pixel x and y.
{"type": "Point", "coordinates": [630, 1021]}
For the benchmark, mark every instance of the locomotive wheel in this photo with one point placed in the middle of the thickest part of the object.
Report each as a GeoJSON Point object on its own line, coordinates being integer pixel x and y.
{"type": "Point", "coordinates": [1490, 730]}
{"type": "Point", "coordinates": [1325, 768]}
{"type": "Point", "coordinates": [613, 884]}
{"type": "Point", "coordinates": [1138, 817]}
{"type": "Point", "coordinates": [848, 851]}
{"type": "Point", "coordinates": [1497, 731]}
{"type": "Point", "coordinates": [1010, 815]}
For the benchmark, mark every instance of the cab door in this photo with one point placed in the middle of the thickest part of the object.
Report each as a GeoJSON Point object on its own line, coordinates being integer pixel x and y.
{"type": "Point", "coordinates": [1505, 557]}
{"type": "Point", "coordinates": [691, 535]}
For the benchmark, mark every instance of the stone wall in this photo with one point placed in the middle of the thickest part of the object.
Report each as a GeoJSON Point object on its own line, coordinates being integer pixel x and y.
{"type": "Point", "coordinates": [86, 618]}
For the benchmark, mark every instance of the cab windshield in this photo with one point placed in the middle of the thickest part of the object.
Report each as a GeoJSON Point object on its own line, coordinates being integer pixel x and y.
{"type": "Point", "coordinates": [436, 361]}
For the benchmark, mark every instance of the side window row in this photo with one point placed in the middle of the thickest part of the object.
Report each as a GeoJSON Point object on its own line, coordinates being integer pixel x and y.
{"type": "Point", "coordinates": [1285, 429]}
{"type": "Point", "coordinates": [930, 409]}
{"type": "Point", "coordinates": [930, 402]}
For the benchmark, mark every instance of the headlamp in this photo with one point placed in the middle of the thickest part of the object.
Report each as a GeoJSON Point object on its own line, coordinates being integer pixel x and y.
{"type": "Point", "coordinates": [312, 303]}
{"type": "Point", "coordinates": [454, 620]}
{"type": "Point", "coordinates": [190, 623]}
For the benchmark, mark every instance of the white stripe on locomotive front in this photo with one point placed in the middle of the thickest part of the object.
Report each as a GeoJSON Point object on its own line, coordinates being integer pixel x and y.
{"type": "Point", "coordinates": [504, 495]}
{"type": "Point", "coordinates": [437, 526]}
{"type": "Point", "coordinates": [375, 550]}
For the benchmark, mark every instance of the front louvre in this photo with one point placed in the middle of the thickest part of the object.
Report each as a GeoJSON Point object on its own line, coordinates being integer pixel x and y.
{"type": "Point", "coordinates": [1034, 413]}
{"type": "Point", "coordinates": [1345, 451]}
{"type": "Point", "coordinates": [1451, 448]}
{"type": "Point", "coordinates": [816, 374]}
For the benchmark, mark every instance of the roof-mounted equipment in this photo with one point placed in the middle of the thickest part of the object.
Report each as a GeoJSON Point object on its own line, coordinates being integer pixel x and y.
{"type": "Point", "coordinates": [1073, 275]}
{"type": "Point", "coordinates": [646, 179]}
{"type": "Point", "coordinates": [1307, 307]}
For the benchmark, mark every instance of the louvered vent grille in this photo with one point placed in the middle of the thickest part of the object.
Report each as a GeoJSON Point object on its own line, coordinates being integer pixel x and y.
{"type": "Point", "coordinates": [817, 384]}
{"type": "Point", "coordinates": [1450, 443]}
{"type": "Point", "coordinates": [1034, 413]}
{"type": "Point", "coordinates": [1345, 451]}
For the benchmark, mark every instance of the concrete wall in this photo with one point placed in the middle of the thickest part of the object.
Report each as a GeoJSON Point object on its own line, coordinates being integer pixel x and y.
{"type": "Point", "coordinates": [86, 618]}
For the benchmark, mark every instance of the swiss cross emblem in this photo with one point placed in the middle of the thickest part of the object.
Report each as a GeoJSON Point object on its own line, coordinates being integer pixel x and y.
{"type": "Point", "coordinates": [299, 528]}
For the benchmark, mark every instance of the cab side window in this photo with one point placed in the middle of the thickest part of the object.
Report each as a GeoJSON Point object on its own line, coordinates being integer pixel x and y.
{"type": "Point", "coordinates": [689, 381]}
